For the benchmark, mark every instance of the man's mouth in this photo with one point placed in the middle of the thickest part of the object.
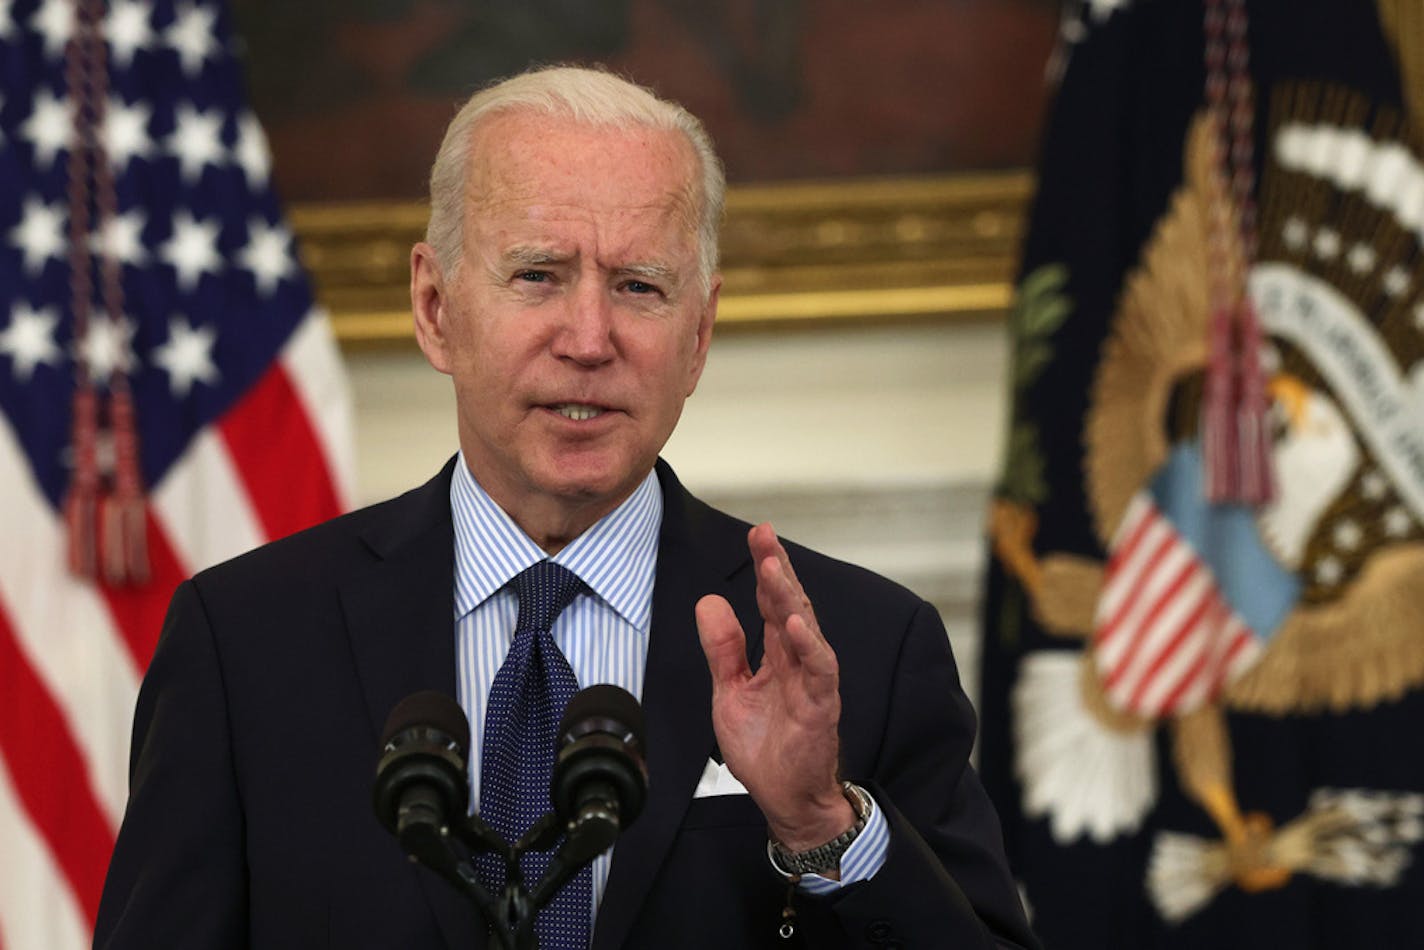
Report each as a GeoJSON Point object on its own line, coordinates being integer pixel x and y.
{"type": "Point", "coordinates": [577, 411]}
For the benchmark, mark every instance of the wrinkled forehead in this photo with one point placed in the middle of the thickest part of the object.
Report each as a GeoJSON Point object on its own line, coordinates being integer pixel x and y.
{"type": "Point", "coordinates": [521, 158]}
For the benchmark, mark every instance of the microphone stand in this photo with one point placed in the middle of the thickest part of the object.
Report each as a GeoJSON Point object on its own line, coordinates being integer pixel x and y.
{"type": "Point", "coordinates": [511, 913]}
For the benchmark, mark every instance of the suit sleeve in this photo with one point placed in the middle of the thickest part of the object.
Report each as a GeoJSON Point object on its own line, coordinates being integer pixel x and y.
{"type": "Point", "coordinates": [946, 880]}
{"type": "Point", "coordinates": [177, 876]}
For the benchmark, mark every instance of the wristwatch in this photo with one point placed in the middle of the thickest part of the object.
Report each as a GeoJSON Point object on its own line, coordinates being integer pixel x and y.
{"type": "Point", "coordinates": [823, 857]}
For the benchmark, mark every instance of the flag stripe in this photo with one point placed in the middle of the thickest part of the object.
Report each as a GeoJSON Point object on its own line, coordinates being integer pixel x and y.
{"type": "Point", "coordinates": [1149, 636]}
{"type": "Point", "coordinates": [1163, 547]}
{"type": "Point", "coordinates": [1155, 633]}
{"type": "Point", "coordinates": [281, 464]}
{"type": "Point", "coordinates": [314, 368]}
{"type": "Point", "coordinates": [200, 531]}
{"type": "Point", "coordinates": [1185, 644]}
{"type": "Point", "coordinates": [1138, 526]}
{"type": "Point", "coordinates": [1197, 675]}
{"type": "Point", "coordinates": [138, 612]}
{"type": "Point", "coordinates": [37, 907]}
{"type": "Point", "coordinates": [35, 738]}
{"type": "Point", "coordinates": [65, 630]}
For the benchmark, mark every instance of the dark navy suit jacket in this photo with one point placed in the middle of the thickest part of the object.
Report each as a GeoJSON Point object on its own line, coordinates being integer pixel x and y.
{"type": "Point", "coordinates": [257, 731]}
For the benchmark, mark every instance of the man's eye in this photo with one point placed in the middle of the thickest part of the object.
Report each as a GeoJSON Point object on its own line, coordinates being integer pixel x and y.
{"type": "Point", "coordinates": [532, 276]}
{"type": "Point", "coordinates": [640, 287]}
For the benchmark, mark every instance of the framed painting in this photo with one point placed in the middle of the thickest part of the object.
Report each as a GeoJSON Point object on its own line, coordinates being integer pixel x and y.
{"type": "Point", "coordinates": [875, 151]}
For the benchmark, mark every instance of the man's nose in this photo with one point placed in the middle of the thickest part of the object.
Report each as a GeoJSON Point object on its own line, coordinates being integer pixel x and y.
{"type": "Point", "coordinates": [586, 335]}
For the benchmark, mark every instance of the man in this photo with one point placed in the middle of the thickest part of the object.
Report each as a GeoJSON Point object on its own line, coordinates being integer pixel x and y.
{"type": "Point", "coordinates": [568, 287]}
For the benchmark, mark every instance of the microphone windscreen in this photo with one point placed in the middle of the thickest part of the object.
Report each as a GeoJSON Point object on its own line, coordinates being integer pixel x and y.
{"type": "Point", "coordinates": [601, 706]}
{"type": "Point", "coordinates": [430, 709]}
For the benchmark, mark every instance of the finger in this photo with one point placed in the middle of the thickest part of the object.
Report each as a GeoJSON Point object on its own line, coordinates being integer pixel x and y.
{"type": "Point", "coordinates": [764, 544]}
{"type": "Point", "coordinates": [779, 597]}
{"type": "Point", "coordinates": [810, 648]}
{"type": "Point", "coordinates": [723, 642]}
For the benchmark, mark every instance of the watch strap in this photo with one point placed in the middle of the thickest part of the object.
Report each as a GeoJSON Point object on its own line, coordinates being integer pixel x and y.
{"type": "Point", "coordinates": [823, 857]}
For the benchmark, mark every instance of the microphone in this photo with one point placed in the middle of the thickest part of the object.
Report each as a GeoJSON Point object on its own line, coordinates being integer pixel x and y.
{"type": "Point", "coordinates": [420, 788]}
{"type": "Point", "coordinates": [600, 775]}
{"type": "Point", "coordinates": [599, 783]}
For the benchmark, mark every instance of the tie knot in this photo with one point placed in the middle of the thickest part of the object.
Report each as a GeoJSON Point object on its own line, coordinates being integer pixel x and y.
{"type": "Point", "coordinates": [544, 590]}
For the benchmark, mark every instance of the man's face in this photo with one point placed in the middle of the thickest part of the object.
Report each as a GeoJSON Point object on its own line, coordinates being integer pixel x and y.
{"type": "Point", "coordinates": [575, 325]}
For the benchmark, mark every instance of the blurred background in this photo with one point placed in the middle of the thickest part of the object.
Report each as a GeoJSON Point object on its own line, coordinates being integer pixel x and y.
{"type": "Point", "coordinates": [1097, 323]}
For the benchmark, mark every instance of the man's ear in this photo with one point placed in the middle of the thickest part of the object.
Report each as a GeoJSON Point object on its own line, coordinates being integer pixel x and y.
{"type": "Point", "coordinates": [429, 304]}
{"type": "Point", "coordinates": [704, 333]}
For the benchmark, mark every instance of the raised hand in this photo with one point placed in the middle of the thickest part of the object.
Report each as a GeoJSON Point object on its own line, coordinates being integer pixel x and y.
{"type": "Point", "coordinates": [778, 727]}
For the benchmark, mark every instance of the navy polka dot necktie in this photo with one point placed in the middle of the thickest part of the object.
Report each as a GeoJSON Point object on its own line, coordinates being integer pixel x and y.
{"type": "Point", "coordinates": [526, 702]}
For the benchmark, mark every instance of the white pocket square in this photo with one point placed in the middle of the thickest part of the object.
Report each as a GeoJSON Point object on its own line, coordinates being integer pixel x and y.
{"type": "Point", "coordinates": [717, 779]}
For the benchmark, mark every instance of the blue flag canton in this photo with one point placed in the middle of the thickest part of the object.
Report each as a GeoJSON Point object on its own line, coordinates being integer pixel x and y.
{"type": "Point", "coordinates": [211, 286]}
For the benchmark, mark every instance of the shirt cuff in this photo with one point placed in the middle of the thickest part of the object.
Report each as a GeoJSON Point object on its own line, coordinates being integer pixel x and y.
{"type": "Point", "coordinates": [862, 859]}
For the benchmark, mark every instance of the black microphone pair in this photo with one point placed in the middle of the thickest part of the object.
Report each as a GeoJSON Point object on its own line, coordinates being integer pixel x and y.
{"type": "Point", "coordinates": [598, 787]}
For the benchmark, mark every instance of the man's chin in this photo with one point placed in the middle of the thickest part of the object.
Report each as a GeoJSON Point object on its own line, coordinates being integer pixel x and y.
{"type": "Point", "coordinates": [584, 484]}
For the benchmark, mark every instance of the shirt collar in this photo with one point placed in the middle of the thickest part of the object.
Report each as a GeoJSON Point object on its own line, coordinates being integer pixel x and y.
{"type": "Point", "coordinates": [616, 557]}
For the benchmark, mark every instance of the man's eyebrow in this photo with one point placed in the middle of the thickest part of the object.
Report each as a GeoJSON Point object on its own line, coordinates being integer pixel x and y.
{"type": "Point", "coordinates": [528, 256]}
{"type": "Point", "coordinates": [651, 271]}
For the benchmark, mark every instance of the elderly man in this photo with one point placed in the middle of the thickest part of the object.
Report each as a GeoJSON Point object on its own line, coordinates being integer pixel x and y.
{"type": "Point", "coordinates": [568, 287]}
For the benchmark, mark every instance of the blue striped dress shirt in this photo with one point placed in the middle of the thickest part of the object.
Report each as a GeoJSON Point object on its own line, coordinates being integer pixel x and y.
{"type": "Point", "coordinates": [604, 636]}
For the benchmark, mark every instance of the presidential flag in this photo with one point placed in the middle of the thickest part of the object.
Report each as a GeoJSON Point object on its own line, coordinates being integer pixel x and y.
{"type": "Point", "coordinates": [1203, 666]}
{"type": "Point", "coordinates": [169, 397]}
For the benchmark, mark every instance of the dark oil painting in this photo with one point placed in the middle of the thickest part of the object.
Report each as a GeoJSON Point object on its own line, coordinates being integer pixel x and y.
{"type": "Point", "coordinates": [354, 94]}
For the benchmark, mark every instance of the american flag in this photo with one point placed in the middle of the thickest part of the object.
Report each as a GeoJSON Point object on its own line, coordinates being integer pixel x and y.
{"type": "Point", "coordinates": [243, 417]}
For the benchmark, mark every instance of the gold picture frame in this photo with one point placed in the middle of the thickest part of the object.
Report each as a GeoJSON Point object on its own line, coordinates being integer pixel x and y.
{"type": "Point", "coordinates": [800, 254]}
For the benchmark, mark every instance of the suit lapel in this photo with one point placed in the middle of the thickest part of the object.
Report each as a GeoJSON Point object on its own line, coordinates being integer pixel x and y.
{"type": "Point", "coordinates": [698, 550]}
{"type": "Point", "coordinates": [400, 621]}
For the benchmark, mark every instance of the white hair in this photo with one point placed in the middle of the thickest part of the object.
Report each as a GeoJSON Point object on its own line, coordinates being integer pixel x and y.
{"type": "Point", "coordinates": [590, 96]}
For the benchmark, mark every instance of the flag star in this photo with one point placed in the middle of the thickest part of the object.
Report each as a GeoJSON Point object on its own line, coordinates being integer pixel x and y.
{"type": "Point", "coordinates": [28, 339]}
{"type": "Point", "coordinates": [126, 131]}
{"type": "Point", "coordinates": [6, 20]}
{"type": "Point", "coordinates": [40, 233]}
{"type": "Point", "coordinates": [267, 254]}
{"type": "Point", "coordinates": [1328, 571]}
{"type": "Point", "coordinates": [1361, 258]}
{"type": "Point", "coordinates": [107, 347]}
{"type": "Point", "coordinates": [193, 249]}
{"type": "Point", "coordinates": [196, 140]}
{"type": "Point", "coordinates": [48, 127]}
{"type": "Point", "coordinates": [54, 21]}
{"type": "Point", "coordinates": [1396, 281]}
{"type": "Point", "coordinates": [1396, 522]}
{"type": "Point", "coordinates": [1072, 29]}
{"type": "Point", "coordinates": [121, 237]}
{"type": "Point", "coordinates": [192, 36]}
{"type": "Point", "coordinates": [1347, 535]}
{"type": "Point", "coordinates": [1295, 233]}
{"type": "Point", "coordinates": [127, 30]}
{"type": "Point", "coordinates": [1373, 486]}
{"type": "Point", "coordinates": [251, 152]}
{"type": "Point", "coordinates": [1100, 10]}
{"type": "Point", "coordinates": [187, 356]}
{"type": "Point", "coordinates": [1327, 244]}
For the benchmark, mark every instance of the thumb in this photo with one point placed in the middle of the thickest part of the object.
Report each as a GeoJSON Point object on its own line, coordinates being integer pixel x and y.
{"type": "Point", "coordinates": [723, 641]}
